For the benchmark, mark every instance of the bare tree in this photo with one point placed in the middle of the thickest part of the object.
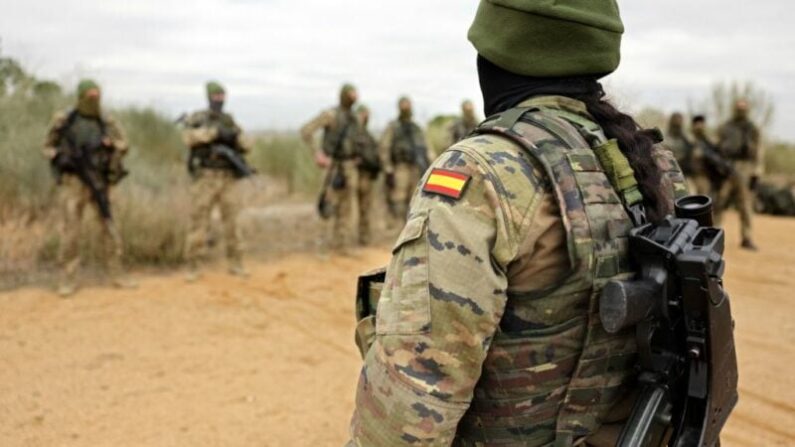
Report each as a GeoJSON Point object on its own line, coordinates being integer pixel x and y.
{"type": "Point", "coordinates": [718, 106]}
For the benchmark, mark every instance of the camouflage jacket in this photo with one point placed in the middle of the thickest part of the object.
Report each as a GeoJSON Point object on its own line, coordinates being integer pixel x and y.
{"type": "Point", "coordinates": [739, 139]}
{"type": "Point", "coordinates": [202, 128]}
{"type": "Point", "coordinates": [340, 128]}
{"type": "Point", "coordinates": [399, 143]}
{"type": "Point", "coordinates": [460, 128]}
{"type": "Point", "coordinates": [82, 130]}
{"type": "Point", "coordinates": [485, 332]}
{"type": "Point", "coordinates": [682, 149]}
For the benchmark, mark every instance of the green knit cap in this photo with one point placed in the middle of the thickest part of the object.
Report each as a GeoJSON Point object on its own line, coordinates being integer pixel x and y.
{"type": "Point", "coordinates": [362, 109]}
{"type": "Point", "coordinates": [85, 85]}
{"type": "Point", "coordinates": [549, 38]}
{"type": "Point", "coordinates": [347, 87]}
{"type": "Point", "coordinates": [214, 87]}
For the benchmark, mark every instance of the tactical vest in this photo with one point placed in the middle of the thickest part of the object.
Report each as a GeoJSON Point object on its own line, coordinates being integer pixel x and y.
{"type": "Point", "coordinates": [556, 382]}
{"type": "Point", "coordinates": [407, 142]}
{"type": "Point", "coordinates": [339, 140]}
{"type": "Point", "coordinates": [737, 140]}
{"type": "Point", "coordinates": [203, 156]}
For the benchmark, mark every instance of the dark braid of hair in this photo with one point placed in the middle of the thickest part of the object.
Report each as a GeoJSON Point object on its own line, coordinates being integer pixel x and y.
{"type": "Point", "coordinates": [636, 144]}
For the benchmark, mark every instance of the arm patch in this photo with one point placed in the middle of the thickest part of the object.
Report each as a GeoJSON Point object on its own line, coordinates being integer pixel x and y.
{"type": "Point", "coordinates": [446, 183]}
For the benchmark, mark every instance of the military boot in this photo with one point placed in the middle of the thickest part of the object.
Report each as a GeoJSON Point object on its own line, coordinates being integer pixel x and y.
{"type": "Point", "coordinates": [193, 274]}
{"type": "Point", "coordinates": [748, 244]}
{"type": "Point", "coordinates": [66, 289]}
{"type": "Point", "coordinates": [237, 269]}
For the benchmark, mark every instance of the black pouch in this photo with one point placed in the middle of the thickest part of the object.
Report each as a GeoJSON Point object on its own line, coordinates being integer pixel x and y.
{"type": "Point", "coordinates": [338, 181]}
{"type": "Point", "coordinates": [368, 290]}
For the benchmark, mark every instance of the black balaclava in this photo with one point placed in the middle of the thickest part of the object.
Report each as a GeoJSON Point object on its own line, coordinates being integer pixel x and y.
{"type": "Point", "coordinates": [503, 90]}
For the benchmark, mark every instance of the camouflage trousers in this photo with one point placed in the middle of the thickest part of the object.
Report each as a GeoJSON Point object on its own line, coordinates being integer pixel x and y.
{"type": "Point", "coordinates": [211, 188]}
{"type": "Point", "coordinates": [736, 192]}
{"type": "Point", "coordinates": [73, 200]}
{"type": "Point", "coordinates": [406, 177]}
{"type": "Point", "coordinates": [345, 199]}
{"type": "Point", "coordinates": [366, 186]}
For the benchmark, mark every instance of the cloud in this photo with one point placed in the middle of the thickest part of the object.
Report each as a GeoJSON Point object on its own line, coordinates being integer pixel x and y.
{"type": "Point", "coordinates": [284, 60]}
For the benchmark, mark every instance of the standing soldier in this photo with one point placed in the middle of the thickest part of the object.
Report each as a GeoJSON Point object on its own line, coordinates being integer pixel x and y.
{"type": "Point", "coordinates": [487, 330]}
{"type": "Point", "coordinates": [464, 125]}
{"type": "Point", "coordinates": [705, 164]}
{"type": "Point", "coordinates": [405, 156]}
{"type": "Point", "coordinates": [369, 168]}
{"type": "Point", "coordinates": [85, 148]}
{"type": "Point", "coordinates": [739, 141]}
{"type": "Point", "coordinates": [216, 145]}
{"type": "Point", "coordinates": [337, 155]}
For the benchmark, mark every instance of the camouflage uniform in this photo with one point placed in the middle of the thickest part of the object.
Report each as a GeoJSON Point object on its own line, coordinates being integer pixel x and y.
{"type": "Point", "coordinates": [487, 329]}
{"type": "Point", "coordinates": [342, 176]}
{"type": "Point", "coordinates": [739, 141]}
{"type": "Point", "coordinates": [369, 167]}
{"type": "Point", "coordinates": [214, 184]}
{"type": "Point", "coordinates": [464, 125]}
{"type": "Point", "coordinates": [74, 196]}
{"type": "Point", "coordinates": [397, 148]}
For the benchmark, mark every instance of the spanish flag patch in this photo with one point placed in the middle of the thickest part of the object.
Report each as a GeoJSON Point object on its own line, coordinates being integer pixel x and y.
{"type": "Point", "coordinates": [446, 183]}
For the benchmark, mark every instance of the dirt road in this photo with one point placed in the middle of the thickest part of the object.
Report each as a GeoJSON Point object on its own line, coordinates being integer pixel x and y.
{"type": "Point", "coordinates": [270, 360]}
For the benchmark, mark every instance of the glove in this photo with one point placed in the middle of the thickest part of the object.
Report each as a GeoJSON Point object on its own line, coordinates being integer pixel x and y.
{"type": "Point", "coordinates": [227, 136]}
{"type": "Point", "coordinates": [390, 180]}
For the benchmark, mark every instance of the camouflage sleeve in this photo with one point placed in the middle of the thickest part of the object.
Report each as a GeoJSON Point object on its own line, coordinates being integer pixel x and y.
{"type": "Point", "coordinates": [117, 136]}
{"type": "Point", "coordinates": [244, 142]}
{"type": "Point", "coordinates": [324, 120]}
{"type": "Point", "coordinates": [385, 148]}
{"type": "Point", "coordinates": [197, 132]}
{"type": "Point", "coordinates": [52, 140]}
{"type": "Point", "coordinates": [673, 181]}
{"type": "Point", "coordinates": [442, 301]}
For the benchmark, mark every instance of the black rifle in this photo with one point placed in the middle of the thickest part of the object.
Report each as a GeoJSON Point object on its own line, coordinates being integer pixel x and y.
{"type": "Point", "coordinates": [684, 330]}
{"type": "Point", "coordinates": [79, 160]}
{"type": "Point", "coordinates": [219, 156]}
{"type": "Point", "coordinates": [718, 167]}
{"type": "Point", "coordinates": [235, 159]}
{"type": "Point", "coordinates": [419, 151]}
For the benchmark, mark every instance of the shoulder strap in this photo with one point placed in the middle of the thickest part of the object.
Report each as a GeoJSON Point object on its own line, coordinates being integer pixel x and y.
{"type": "Point", "coordinates": [613, 161]}
{"type": "Point", "coordinates": [65, 125]}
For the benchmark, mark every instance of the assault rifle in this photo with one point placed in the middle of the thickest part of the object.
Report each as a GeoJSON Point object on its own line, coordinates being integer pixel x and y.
{"type": "Point", "coordinates": [719, 168]}
{"type": "Point", "coordinates": [80, 161]}
{"type": "Point", "coordinates": [684, 329]}
{"type": "Point", "coordinates": [235, 159]}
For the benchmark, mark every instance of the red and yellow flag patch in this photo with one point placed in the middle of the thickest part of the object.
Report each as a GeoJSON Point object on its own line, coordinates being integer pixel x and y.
{"type": "Point", "coordinates": [446, 183]}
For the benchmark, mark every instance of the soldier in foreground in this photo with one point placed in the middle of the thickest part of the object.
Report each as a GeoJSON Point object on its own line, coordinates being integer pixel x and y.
{"type": "Point", "coordinates": [337, 155]}
{"type": "Point", "coordinates": [405, 155]}
{"type": "Point", "coordinates": [465, 124]}
{"type": "Point", "coordinates": [486, 331]}
{"type": "Point", "coordinates": [216, 164]}
{"type": "Point", "coordinates": [369, 167]}
{"type": "Point", "coordinates": [739, 141]}
{"type": "Point", "coordinates": [85, 147]}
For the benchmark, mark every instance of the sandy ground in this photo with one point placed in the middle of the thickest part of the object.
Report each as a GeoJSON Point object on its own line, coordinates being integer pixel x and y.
{"type": "Point", "coordinates": [270, 360]}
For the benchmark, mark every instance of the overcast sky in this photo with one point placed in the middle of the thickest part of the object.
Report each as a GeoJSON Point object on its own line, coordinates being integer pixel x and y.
{"type": "Point", "coordinates": [283, 60]}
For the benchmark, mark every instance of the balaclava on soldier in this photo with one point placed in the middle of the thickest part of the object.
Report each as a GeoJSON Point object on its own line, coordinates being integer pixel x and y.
{"type": "Point", "coordinates": [216, 95]}
{"type": "Point", "coordinates": [88, 104]}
